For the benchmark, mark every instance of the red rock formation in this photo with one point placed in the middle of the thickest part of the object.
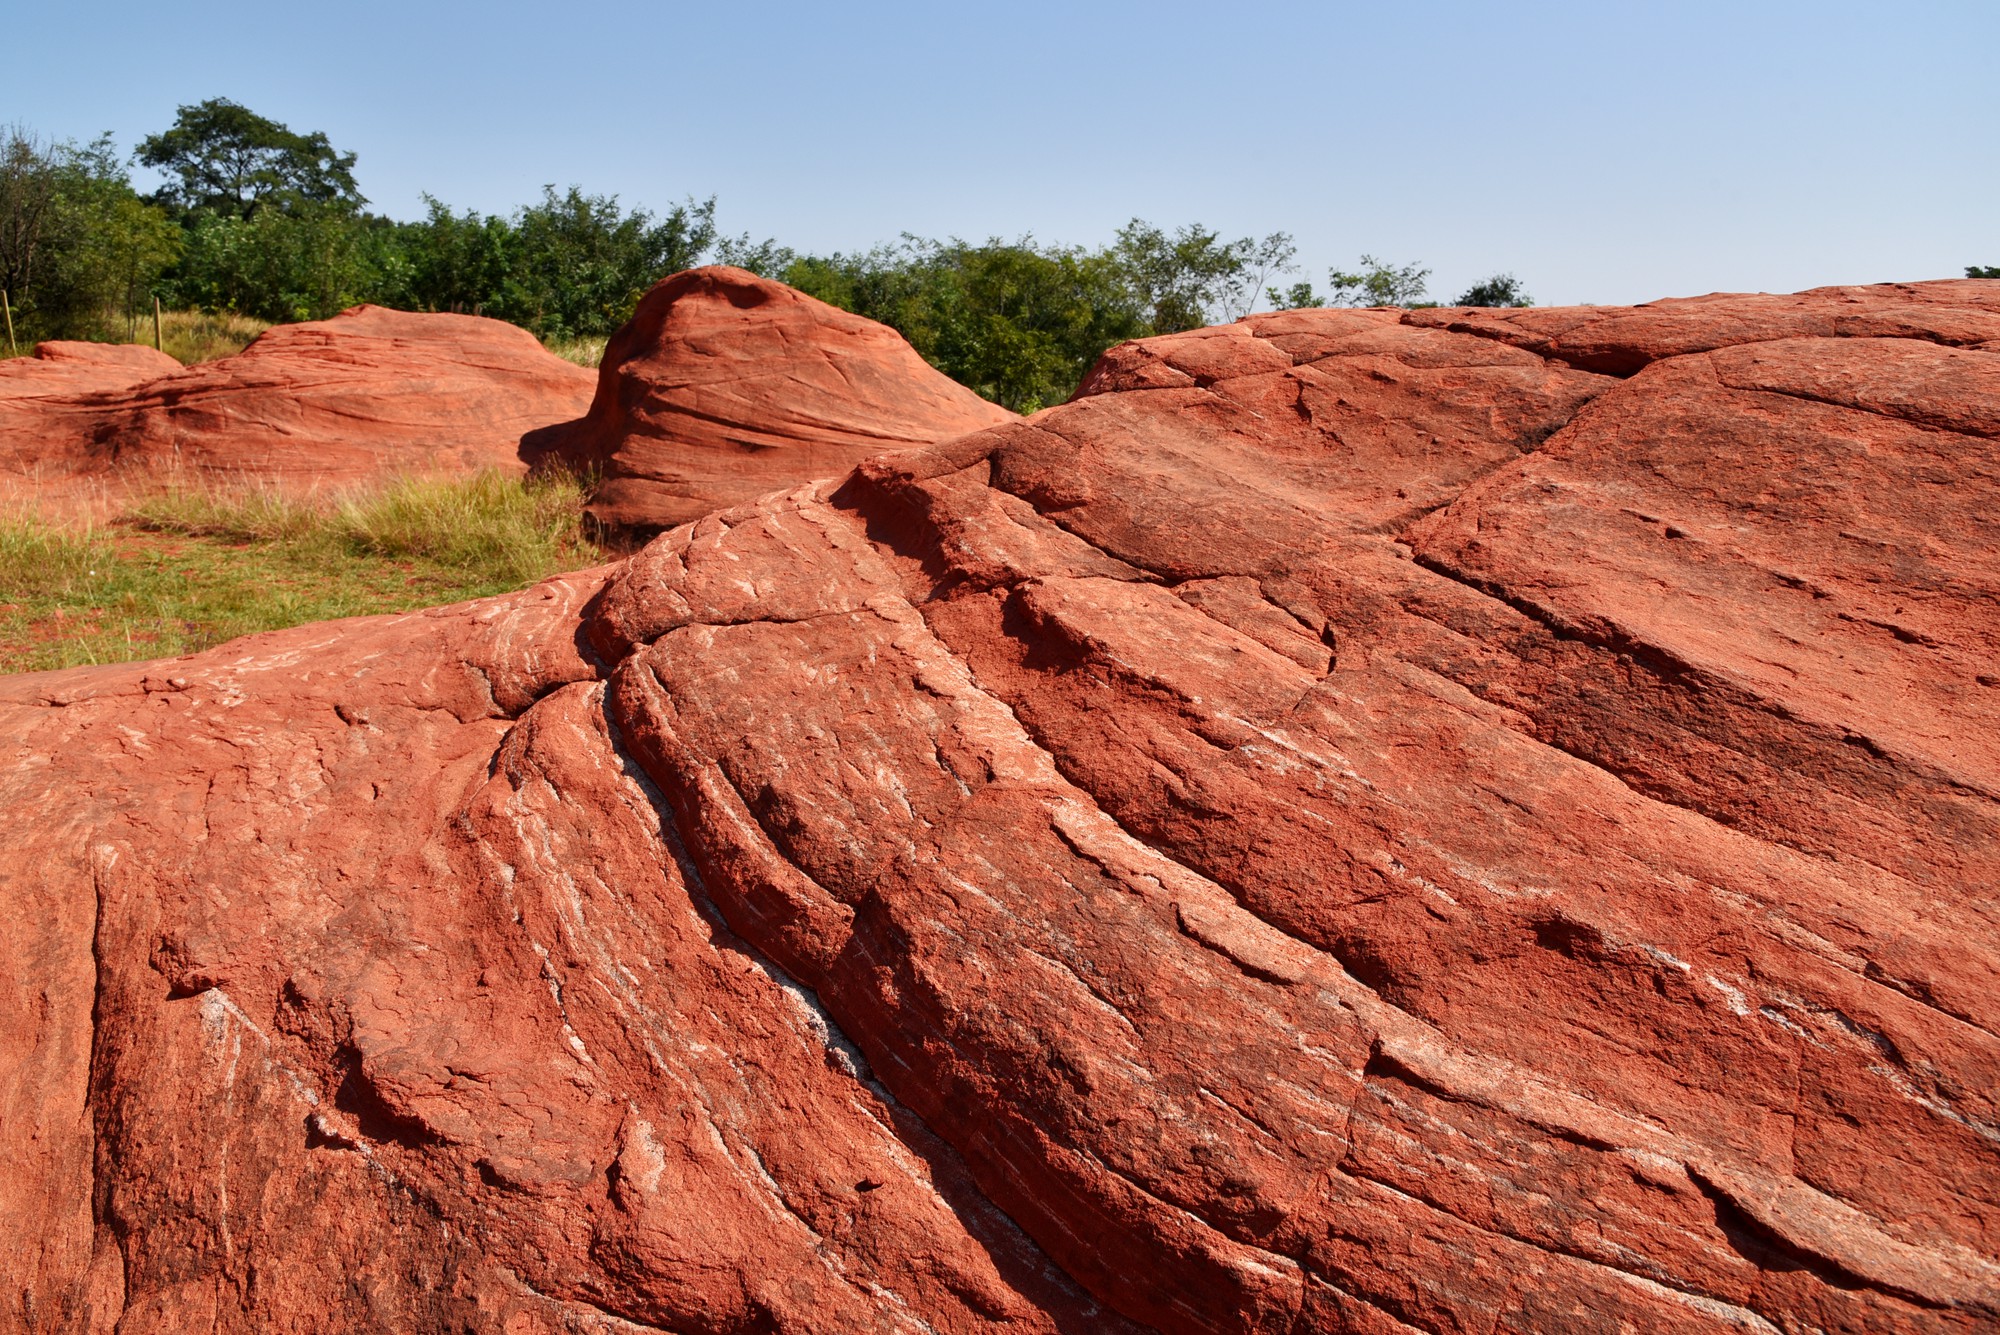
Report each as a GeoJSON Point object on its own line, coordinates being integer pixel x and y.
{"type": "Point", "coordinates": [368, 394]}
{"type": "Point", "coordinates": [1620, 340]}
{"type": "Point", "coordinates": [1350, 825]}
{"type": "Point", "coordinates": [724, 385]}
{"type": "Point", "coordinates": [60, 368]}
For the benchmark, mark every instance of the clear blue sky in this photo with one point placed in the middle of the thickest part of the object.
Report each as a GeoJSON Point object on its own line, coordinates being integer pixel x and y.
{"type": "Point", "coordinates": [1605, 151]}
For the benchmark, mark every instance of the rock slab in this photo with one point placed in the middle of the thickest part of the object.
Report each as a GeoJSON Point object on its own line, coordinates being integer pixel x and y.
{"type": "Point", "coordinates": [368, 395]}
{"type": "Point", "coordinates": [60, 368]}
{"type": "Point", "coordinates": [724, 386]}
{"type": "Point", "coordinates": [1358, 822]}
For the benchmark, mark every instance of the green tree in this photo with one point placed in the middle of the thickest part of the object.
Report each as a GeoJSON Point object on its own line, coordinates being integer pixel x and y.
{"type": "Point", "coordinates": [1017, 322]}
{"type": "Point", "coordinates": [1063, 306]}
{"type": "Point", "coordinates": [308, 263]}
{"type": "Point", "coordinates": [29, 173]}
{"type": "Point", "coordinates": [766, 258]}
{"type": "Point", "coordinates": [1192, 277]}
{"type": "Point", "coordinates": [1261, 262]}
{"type": "Point", "coordinates": [113, 251]}
{"type": "Point", "coordinates": [457, 262]}
{"type": "Point", "coordinates": [1021, 324]}
{"type": "Point", "coordinates": [578, 263]}
{"type": "Point", "coordinates": [79, 249]}
{"type": "Point", "coordinates": [1502, 289]}
{"type": "Point", "coordinates": [1982, 271]}
{"type": "Point", "coordinates": [1379, 283]}
{"type": "Point", "coordinates": [226, 159]}
{"type": "Point", "coordinates": [1299, 296]}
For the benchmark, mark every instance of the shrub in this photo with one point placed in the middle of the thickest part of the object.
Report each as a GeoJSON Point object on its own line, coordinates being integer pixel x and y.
{"type": "Point", "coordinates": [1502, 289]}
{"type": "Point", "coordinates": [1378, 283]}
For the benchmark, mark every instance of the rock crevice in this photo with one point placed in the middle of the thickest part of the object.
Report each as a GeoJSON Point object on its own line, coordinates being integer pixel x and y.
{"type": "Point", "coordinates": [1180, 862]}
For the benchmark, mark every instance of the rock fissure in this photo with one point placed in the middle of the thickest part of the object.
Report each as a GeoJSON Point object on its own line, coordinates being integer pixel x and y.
{"type": "Point", "coordinates": [1174, 905]}
{"type": "Point", "coordinates": [1651, 1277]}
{"type": "Point", "coordinates": [826, 1026]}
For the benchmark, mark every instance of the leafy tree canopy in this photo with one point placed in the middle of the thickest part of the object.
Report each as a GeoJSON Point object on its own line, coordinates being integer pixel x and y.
{"type": "Point", "coordinates": [1378, 283]}
{"type": "Point", "coordinates": [228, 160]}
{"type": "Point", "coordinates": [1190, 277]}
{"type": "Point", "coordinates": [578, 263]}
{"type": "Point", "coordinates": [1017, 322]}
{"type": "Point", "coordinates": [1299, 297]}
{"type": "Point", "coordinates": [30, 174]}
{"type": "Point", "coordinates": [269, 222]}
{"type": "Point", "coordinates": [1502, 289]}
{"type": "Point", "coordinates": [79, 249]}
{"type": "Point", "coordinates": [1982, 271]}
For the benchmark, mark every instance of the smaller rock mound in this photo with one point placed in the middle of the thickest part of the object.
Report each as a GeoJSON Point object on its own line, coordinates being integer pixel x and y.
{"type": "Point", "coordinates": [724, 386]}
{"type": "Point", "coordinates": [1623, 340]}
{"type": "Point", "coordinates": [61, 368]}
{"type": "Point", "coordinates": [371, 393]}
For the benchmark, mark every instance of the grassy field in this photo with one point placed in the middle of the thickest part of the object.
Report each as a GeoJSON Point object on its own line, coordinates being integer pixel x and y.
{"type": "Point", "coordinates": [187, 336]}
{"type": "Point", "coordinates": [190, 569]}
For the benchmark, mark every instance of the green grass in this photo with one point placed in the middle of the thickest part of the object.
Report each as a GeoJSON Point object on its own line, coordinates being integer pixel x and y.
{"type": "Point", "coordinates": [190, 569]}
{"type": "Point", "coordinates": [199, 336]}
{"type": "Point", "coordinates": [187, 336]}
{"type": "Point", "coordinates": [584, 349]}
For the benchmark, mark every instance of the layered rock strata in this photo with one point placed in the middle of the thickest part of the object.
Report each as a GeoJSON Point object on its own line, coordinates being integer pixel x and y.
{"type": "Point", "coordinates": [1359, 822]}
{"type": "Point", "coordinates": [368, 395]}
{"type": "Point", "coordinates": [59, 368]}
{"type": "Point", "coordinates": [724, 386]}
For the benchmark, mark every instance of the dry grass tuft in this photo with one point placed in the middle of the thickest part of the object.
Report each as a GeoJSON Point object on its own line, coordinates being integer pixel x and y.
{"type": "Point", "coordinates": [192, 567]}
{"type": "Point", "coordinates": [584, 350]}
{"type": "Point", "coordinates": [198, 336]}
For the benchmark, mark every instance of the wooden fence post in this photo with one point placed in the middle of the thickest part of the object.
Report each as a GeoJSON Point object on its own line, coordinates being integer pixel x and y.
{"type": "Point", "coordinates": [159, 345]}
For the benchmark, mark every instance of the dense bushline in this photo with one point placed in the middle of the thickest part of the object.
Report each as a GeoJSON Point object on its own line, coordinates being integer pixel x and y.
{"type": "Point", "coordinates": [80, 251]}
{"type": "Point", "coordinates": [260, 221]}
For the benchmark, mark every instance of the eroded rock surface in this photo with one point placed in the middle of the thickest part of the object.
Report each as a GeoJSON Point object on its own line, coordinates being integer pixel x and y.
{"type": "Point", "coordinates": [368, 395]}
{"type": "Point", "coordinates": [724, 386]}
{"type": "Point", "coordinates": [60, 367]}
{"type": "Point", "coordinates": [1352, 824]}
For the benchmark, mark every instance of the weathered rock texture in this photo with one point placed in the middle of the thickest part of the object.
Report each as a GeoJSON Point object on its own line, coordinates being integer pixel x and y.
{"type": "Point", "coordinates": [724, 386]}
{"type": "Point", "coordinates": [59, 368]}
{"type": "Point", "coordinates": [367, 395]}
{"type": "Point", "coordinates": [1356, 823]}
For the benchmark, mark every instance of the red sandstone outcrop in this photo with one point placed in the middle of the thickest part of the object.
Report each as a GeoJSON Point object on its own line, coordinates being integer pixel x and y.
{"type": "Point", "coordinates": [60, 368]}
{"type": "Point", "coordinates": [1352, 824]}
{"type": "Point", "coordinates": [724, 386]}
{"type": "Point", "coordinates": [371, 393]}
